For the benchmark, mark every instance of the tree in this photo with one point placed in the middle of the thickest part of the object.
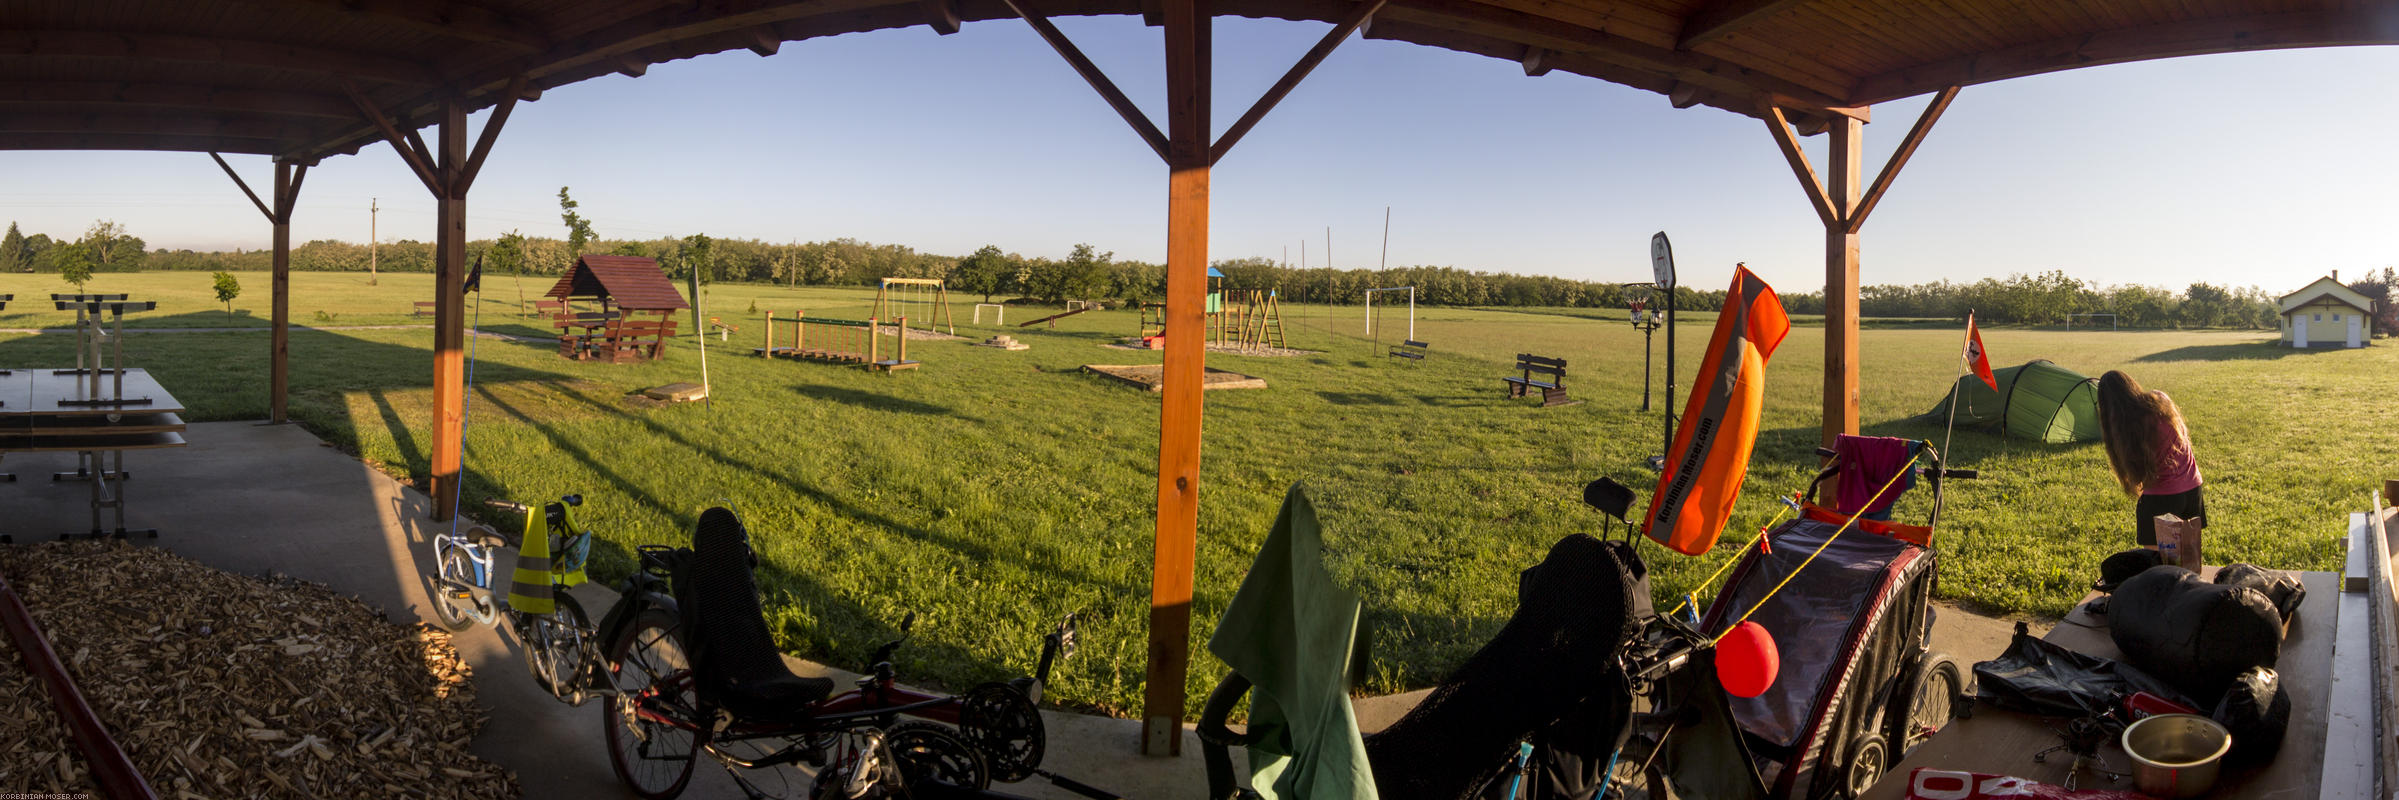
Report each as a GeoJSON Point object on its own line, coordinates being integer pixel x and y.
{"type": "Point", "coordinates": [986, 272]}
{"type": "Point", "coordinates": [695, 255]}
{"type": "Point", "coordinates": [578, 229]}
{"type": "Point", "coordinates": [74, 263]}
{"type": "Point", "coordinates": [13, 257]}
{"type": "Point", "coordinates": [110, 248]}
{"type": "Point", "coordinates": [227, 288]}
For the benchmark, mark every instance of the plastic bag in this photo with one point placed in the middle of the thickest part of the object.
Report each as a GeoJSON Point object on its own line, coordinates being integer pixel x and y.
{"type": "Point", "coordinates": [2036, 677]}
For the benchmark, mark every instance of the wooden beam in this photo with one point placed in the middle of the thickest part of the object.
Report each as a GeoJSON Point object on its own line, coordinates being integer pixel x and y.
{"type": "Point", "coordinates": [457, 20]}
{"type": "Point", "coordinates": [1188, 72]}
{"type": "Point", "coordinates": [163, 123]}
{"type": "Point", "coordinates": [133, 141]}
{"type": "Point", "coordinates": [400, 144]}
{"type": "Point", "coordinates": [416, 144]}
{"type": "Point", "coordinates": [1726, 17]}
{"type": "Point", "coordinates": [1808, 182]}
{"type": "Point", "coordinates": [943, 16]}
{"type": "Point", "coordinates": [1841, 285]}
{"type": "Point", "coordinates": [245, 185]}
{"type": "Point", "coordinates": [138, 94]}
{"type": "Point", "coordinates": [1534, 62]}
{"type": "Point", "coordinates": [1299, 71]}
{"type": "Point", "coordinates": [631, 67]}
{"type": "Point", "coordinates": [177, 48]}
{"type": "Point", "coordinates": [1091, 74]}
{"type": "Point", "coordinates": [449, 316]}
{"type": "Point", "coordinates": [279, 346]}
{"type": "Point", "coordinates": [1683, 95]}
{"type": "Point", "coordinates": [2366, 24]}
{"type": "Point", "coordinates": [491, 132]}
{"type": "Point", "coordinates": [1899, 158]}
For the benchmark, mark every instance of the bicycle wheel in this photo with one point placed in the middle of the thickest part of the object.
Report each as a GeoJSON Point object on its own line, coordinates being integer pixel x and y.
{"type": "Point", "coordinates": [1636, 775]}
{"type": "Point", "coordinates": [554, 648]}
{"type": "Point", "coordinates": [653, 729]}
{"type": "Point", "coordinates": [456, 613]}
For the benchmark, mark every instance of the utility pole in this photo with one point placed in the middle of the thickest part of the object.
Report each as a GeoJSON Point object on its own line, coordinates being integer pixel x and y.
{"type": "Point", "coordinates": [372, 243]}
{"type": "Point", "coordinates": [1386, 262]}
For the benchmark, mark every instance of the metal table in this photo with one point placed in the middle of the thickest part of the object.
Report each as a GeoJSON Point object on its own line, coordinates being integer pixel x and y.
{"type": "Point", "coordinates": [98, 410]}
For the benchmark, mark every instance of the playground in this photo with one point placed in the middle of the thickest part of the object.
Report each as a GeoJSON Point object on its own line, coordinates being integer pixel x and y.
{"type": "Point", "coordinates": [991, 491]}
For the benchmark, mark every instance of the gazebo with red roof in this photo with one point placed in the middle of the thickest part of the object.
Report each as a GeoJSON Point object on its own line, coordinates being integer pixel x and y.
{"type": "Point", "coordinates": [624, 287]}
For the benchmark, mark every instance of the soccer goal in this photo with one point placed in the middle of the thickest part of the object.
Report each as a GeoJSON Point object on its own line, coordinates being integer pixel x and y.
{"type": "Point", "coordinates": [1411, 290]}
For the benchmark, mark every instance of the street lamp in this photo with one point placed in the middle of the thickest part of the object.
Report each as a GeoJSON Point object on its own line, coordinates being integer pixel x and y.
{"type": "Point", "coordinates": [1645, 319]}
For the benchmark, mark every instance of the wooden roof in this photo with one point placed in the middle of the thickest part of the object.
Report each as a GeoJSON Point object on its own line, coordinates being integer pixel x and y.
{"type": "Point", "coordinates": [632, 282]}
{"type": "Point", "coordinates": [277, 76]}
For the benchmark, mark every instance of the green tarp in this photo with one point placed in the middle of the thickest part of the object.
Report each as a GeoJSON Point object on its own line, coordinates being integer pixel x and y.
{"type": "Point", "coordinates": [2037, 400]}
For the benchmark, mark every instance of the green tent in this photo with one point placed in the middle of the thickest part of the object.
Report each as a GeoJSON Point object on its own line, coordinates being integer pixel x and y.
{"type": "Point", "coordinates": [2037, 400]}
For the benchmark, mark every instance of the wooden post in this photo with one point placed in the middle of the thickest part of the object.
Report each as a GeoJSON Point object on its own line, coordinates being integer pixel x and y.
{"type": "Point", "coordinates": [799, 328]}
{"type": "Point", "coordinates": [769, 352]}
{"type": "Point", "coordinates": [449, 310]}
{"type": "Point", "coordinates": [1187, 88]}
{"type": "Point", "coordinates": [903, 339]}
{"type": "Point", "coordinates": [279, 369]}
{"type": "Point", "coordinates": [1841, 281]}
{"type": "Point", "coordinates": [874, 340]}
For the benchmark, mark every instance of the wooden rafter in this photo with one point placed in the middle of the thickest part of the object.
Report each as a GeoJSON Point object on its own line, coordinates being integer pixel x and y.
{"type": "Point", "coordinates": [459, 20]}
{"type": "Point", "coordinates": [2364, 25]}
{"type": "Point", "coordinates": [1899, 158]}
{"type": "Point", "coordinates": [230, 126]}
{"type": "Point", "coordinates": [191, 96]}
{"type": "Point", "coordinates": [1535, 62]}
{"type": "Point", "coordinates": [143, 141]}
{"type": "Point", "coordinates": [217, 50]}
{"type": "Point", "coordinates": [1726, 17]}
{"type": "Point", "coordinates": [1299, 71]}
{"type": "Point", "coordinates": [1808, 181]}
{"type": "Point", "coordinates": [1091, 74]}
{"type": "Point", "coordinates": [943, 16]}
{"type": "Point", "coordinates": [763, 40]}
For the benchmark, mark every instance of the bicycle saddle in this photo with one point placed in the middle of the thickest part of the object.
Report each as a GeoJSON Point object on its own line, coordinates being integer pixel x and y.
{"type": "Point", "coordinates": [733, 658]}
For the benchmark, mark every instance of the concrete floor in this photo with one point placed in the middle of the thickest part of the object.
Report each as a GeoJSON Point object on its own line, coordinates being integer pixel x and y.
{"type": "Point", "coordinates": [254, 498]}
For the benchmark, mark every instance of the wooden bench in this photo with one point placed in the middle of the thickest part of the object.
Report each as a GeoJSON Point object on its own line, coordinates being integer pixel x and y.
{"type": "Point", "coordinates": [549, 308]}
{"type": "Point", "coordinates": [425, 308]}
{"type": "Point", "coordinates": [1552, 386]}
{"type": "Point", "coordinates": [1410, 349]}
{"type": "Point", "coordinates": [632, 339]}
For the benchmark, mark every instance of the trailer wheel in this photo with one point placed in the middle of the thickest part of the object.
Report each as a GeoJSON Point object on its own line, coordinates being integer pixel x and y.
{"type": "Point", "coordinates": [1869, 755]}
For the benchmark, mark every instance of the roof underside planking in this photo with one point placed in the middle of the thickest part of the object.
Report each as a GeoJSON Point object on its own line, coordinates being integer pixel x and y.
{"type": "Point", "coordinates": [268, 76]}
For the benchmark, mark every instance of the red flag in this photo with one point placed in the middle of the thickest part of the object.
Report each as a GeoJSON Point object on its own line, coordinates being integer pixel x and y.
{"type": "Point", "coordinates": [1976, 356]}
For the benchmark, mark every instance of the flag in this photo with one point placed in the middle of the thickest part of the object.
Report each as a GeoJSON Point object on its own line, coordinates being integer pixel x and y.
{"type": "Point", "coordinates": [1976, 356]}
{"type": "Point", "coordinates": [474, 278]}
{"type": "Point", "coordinates": [1703, 471]}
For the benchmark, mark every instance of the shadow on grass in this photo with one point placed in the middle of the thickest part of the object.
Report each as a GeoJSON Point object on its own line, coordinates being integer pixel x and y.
{"type": "Point", "coordinates": [2260, 350]}
{"type": "Point", "coordinates": [870, 400]}
{"type": "Point", "coordinates": [1359, 398]}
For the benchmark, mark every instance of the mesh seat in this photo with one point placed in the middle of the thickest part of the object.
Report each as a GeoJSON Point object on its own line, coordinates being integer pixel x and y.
{"type": "Point", "coordinates": [738, 667]}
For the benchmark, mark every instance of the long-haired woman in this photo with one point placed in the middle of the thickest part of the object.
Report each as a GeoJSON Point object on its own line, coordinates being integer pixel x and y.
{"type": "Point", "coordinates": [2150, 450]}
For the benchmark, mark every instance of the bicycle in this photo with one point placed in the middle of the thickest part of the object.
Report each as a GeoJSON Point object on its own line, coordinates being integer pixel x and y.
{"type": "Point", "coordinates": [691, 669]}
{"type": "Point", "coordinates": [560, 650]}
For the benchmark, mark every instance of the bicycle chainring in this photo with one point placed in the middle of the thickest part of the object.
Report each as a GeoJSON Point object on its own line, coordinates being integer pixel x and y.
{"type": "Point", "coordinates": [1005, 726]}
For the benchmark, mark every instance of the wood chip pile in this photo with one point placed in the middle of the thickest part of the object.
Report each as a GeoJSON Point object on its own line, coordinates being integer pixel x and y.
{"type": "Point", "coordinates": [222, 685]}
{"type": "Point", "coordinates": [35, 754]}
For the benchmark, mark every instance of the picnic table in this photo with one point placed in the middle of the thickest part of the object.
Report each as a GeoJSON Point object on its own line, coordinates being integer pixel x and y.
{"type": "Point", "coordinates": [97, 414]}
{"type": "Point", "coordinates": [2000, 742]}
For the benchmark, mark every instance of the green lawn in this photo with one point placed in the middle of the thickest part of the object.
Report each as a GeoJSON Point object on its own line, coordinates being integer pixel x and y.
{"type": "Point", "coordinates": [991, 491]}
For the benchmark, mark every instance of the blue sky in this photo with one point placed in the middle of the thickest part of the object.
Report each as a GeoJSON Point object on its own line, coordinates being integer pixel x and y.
{"type": "Point", "coordinates": [2252, 169]}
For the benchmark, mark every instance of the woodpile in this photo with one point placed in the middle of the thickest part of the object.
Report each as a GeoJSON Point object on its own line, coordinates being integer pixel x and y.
{"type": "Point", "coordinates": [220, 685]}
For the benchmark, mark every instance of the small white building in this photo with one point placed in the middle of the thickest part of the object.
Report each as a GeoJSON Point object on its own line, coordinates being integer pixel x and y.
{"type": "Point", "coordinates": [2326, 314]}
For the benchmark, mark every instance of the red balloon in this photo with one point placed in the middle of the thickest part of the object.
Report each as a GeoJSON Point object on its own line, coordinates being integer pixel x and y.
{"type": "Point", "coordinates": [1747, 661]}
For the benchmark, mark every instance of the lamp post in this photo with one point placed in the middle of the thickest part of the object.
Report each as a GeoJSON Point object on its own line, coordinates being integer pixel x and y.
{"type": "Point", "coordinates": [1645, 319]}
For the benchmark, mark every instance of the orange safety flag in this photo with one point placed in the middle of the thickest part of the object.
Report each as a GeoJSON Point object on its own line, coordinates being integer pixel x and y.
{"type": "Point", "coordinates": [1703, 472]}
{"type": "Point", "coordinates": [1976, 356]}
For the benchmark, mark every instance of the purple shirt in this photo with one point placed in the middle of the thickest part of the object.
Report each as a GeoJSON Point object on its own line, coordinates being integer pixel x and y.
{"type": "Point", "coordinates": [2177, 470]}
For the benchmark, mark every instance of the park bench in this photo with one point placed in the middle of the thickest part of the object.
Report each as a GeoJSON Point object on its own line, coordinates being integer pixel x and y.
{"type": "Point", "coordinates": [1552, 384]}
{"type": "Point", "coordinates": [425, 308]}
{"type": "Point", "coordinates": [632, 339]}
{"type": "Point", "coordinates": [1410, 349]}
{"type": "Point", "coordinates": [550, 308]}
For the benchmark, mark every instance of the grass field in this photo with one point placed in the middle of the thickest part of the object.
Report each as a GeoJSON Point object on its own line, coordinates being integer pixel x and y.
{"type": "Point", "coordinates": [991, 492]}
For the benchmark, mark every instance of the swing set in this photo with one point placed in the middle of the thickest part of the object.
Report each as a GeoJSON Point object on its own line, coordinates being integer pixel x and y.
{"type": "Point", "coordinates": [932, 294]}
{"type": "Point", "coordinates": [838, 341]}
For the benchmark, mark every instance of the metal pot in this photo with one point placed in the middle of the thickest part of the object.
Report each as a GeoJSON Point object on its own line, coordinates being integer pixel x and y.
{"type": "Point", "coordinates": [2176, 755]}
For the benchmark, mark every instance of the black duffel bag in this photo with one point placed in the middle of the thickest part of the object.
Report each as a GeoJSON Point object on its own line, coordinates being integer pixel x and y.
{"type": "Point", "coordinates": [2198, 635]}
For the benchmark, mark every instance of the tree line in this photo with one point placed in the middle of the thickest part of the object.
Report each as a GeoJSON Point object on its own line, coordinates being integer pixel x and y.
{"type": "Point", "coordinates": [1086, 273]}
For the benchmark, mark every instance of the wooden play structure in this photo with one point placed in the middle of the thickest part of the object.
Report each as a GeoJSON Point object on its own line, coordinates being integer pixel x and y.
{"type": "Point", "coordinates": [895, 297]}
{"type": "Point", "coordinates": [1247, 319]}
{"type": "Point", "coordinates": [839, 341]}
{"type": "Point", "coordinates": [636, 309]}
